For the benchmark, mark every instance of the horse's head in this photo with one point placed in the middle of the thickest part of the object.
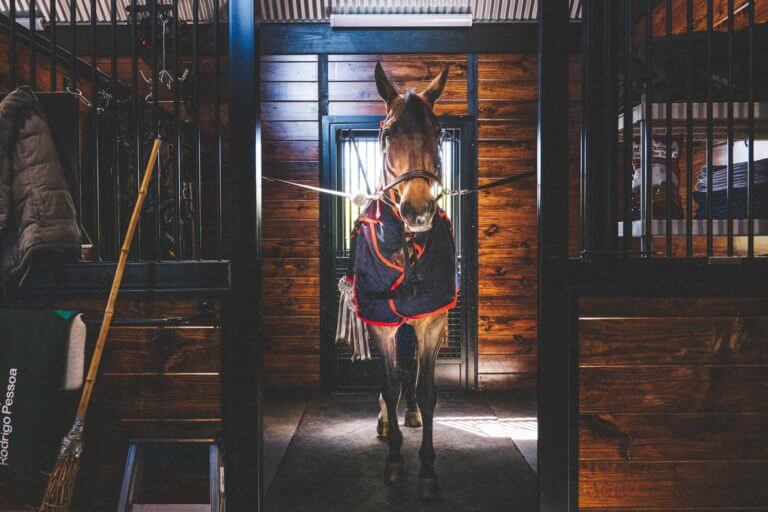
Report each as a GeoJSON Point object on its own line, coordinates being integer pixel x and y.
{"type": "Point", "coordinates": [411, 143]}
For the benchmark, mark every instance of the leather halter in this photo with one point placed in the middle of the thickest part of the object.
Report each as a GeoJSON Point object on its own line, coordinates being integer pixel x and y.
{"type": "Point", "coordinates": [411, 175]}
{"type": "Point", "coordinates": [431, 177]}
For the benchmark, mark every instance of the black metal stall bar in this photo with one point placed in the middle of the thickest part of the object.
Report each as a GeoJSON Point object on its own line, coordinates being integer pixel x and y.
{"type": "Point", "coordinates": [668, 131]}
{"type": "Point", "coordinates": [52, 48]}
{"type": "Point", "coordinates": [32, 44]}
{"type": "Point", "coordinates": [627, 125]}
{"type": "Point", "coordinates": [689, 133]}
{"type": "Point", "coordinates": [730, 141]}
{"type": "Point", "coordinates": [12, 30]}
{"type": "Point", "coordinates": [710, 128]}
{"type": "Point", "coordinates": [178, 141]}
{"type": "Point", "coordinates": [646, 148]}
{"type": "Point", "coordinates": [136, 134]}
{"type": "Point", "coordinates": [751, 130]}
{"type": "Point", "coordinates": [594, 133]}
{"type": "Point", "coordinates": [95, 138]}
{"type": "Point", "coordinates": [185, 216]}
{"type": "Point", "coordinates": [217, 133]}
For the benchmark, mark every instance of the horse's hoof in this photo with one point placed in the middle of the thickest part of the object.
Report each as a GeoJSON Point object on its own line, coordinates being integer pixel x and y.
{"type": "Point", "coordinates": [382, 429]}
{"type": "Point", "coordinates": [427, 488]}
{"type": "Point", "coordinates": [394, 471]}
{"type": "Point", "coordinates": [413, 419]}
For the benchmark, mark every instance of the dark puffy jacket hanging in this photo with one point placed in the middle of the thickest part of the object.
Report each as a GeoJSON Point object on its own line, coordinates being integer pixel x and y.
{"type": "Point", "coordinates": [37, 213]}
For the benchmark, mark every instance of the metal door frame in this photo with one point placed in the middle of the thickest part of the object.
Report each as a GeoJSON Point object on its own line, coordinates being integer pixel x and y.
{"type": "Point", "coordinates": [331, 126]}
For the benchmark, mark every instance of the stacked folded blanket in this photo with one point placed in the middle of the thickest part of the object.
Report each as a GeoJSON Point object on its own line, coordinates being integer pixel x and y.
{"type": "Point", "coordinates": [739, 191]}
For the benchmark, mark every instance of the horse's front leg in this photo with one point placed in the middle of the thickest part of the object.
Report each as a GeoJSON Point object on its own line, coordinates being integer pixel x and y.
{"type": "Point", "coordinates": [431, 334]}
{"type": "Point", "coordinates": [384, 338]}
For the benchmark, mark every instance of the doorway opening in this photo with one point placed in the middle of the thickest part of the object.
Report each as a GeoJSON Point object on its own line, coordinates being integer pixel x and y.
{"type": "Point", "coordinates": [352, 163]}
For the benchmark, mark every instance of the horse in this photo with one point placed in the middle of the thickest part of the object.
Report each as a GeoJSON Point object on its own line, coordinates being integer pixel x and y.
{"type": "Point", "coordinates": [409, 241]}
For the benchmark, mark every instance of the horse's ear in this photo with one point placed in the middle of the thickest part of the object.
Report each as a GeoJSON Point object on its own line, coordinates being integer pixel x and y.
{"type": "Point", "coordinates": [387, 89]}
{"type": "Point", "coordinates": [435, 89]}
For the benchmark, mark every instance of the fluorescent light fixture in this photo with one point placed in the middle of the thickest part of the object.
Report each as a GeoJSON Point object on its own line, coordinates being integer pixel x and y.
{"type": "Point", "coordinates": [400, 20]}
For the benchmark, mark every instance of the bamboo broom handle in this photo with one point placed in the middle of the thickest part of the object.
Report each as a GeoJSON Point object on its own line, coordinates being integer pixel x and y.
{"type": "Point", "coordinates": [93, 370]}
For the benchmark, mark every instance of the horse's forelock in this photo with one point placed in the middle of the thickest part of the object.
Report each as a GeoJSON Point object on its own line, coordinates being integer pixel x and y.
{"type": "Point", "coordinates": [411, 112]}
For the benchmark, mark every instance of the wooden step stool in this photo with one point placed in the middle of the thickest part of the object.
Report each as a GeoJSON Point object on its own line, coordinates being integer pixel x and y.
{"type": "Point", "coordinates": [134, 465]}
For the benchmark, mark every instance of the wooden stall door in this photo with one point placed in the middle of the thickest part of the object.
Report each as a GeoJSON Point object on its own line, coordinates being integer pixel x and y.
{"type": "Point", "coordinates": [672, 411]}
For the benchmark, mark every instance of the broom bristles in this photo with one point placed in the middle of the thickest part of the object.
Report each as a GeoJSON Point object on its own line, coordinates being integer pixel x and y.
{"type": "Point", "coordinates": [61, 485]}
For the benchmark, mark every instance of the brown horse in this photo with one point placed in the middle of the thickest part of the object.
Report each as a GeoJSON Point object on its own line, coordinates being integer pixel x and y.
{"type": "Point", "coordinates": [411, 136]}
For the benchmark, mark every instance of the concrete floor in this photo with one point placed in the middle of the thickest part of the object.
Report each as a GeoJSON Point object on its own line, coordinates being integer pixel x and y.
{"type": "Point", "coordinates": [322, 454]}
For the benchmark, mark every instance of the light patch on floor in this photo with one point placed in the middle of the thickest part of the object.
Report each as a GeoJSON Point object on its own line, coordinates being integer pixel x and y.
{"type": "Point", "coordinates": [517, 429]}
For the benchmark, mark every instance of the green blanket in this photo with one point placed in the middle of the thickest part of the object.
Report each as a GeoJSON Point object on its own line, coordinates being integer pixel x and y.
{"type": "Point", "coordinates": [32, 358]}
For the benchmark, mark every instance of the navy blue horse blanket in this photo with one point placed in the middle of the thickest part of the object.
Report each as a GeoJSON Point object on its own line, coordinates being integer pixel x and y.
{"type": "Point", "coordinates": [384, 296]}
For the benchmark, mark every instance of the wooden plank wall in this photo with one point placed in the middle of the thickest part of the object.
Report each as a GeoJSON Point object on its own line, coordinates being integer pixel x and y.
{"type": "Point", "coordinates": [507, 218]}
{"type": "Point", "coordinates": [672, 404]}
{"type": "Point", "coordinates": [291, 259]}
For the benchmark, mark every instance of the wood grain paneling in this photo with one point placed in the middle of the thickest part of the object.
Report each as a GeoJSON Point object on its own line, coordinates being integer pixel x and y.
{"type": "Point", "coordinates": [672, 341]}
{"type": "Point", "coordinates": [679, 484]}
{"type": "Point", "coordinates": [671, 389]}
{"type": "Point", "coordinates": [170, 350]}
{"type": "Point", "coordinates": [682, 436]}
{"type": "Point", "coordinates": [671, 403]}
{"type": "Point", "coordinates": [291, 268]}
{"type": "Point", "coordinates": [507, 94]}
{"type": "Point", "coordinates": [352, 90]}
{"type": "Point", "coordinates": [153, 397]}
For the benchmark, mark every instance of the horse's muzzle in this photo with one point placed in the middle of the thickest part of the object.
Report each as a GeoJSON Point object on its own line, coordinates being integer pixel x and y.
{"type": "Point", "coordinates": [419, 228]}
{"type": "Point", "coordinates": [417, 221]}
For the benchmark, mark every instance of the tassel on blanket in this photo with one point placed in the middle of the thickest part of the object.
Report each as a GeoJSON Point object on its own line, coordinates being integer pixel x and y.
{"type": "Point", "coordinates": [349, 328]}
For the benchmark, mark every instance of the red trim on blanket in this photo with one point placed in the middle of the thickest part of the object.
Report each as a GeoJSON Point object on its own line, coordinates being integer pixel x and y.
{"type": "Point", "coordinates": [381, 257]}
{"type": "Point", "coordinates": [368, 320]}
{"type": "Point", "coordinates": [443, 309]}
{"type": "Point", "coordinates": [437, 311]}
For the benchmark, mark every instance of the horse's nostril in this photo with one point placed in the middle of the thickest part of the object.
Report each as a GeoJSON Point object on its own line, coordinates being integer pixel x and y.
{"type": "Point", "coordinates": [406, 209]}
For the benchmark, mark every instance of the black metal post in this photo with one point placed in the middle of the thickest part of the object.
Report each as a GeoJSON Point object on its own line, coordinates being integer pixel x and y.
{"type": "Point", "coordinates": [593, 147]}
{"type": "Point", "coordinates": [135, 121]}
{"type": "Point", "coordinates": [610, 77]}
{"type": "Point", "coordinates": [154, 18]}
{"type": "Point", "coordinates": [710, 128]}
{"type": "Point", "coordinates": [628, 125]}
{"type": "Point", "coordinates": [32, 45]}
{"type": "Point", "coordinates": [646, 148]}
{"type": "Point", "coordinates": [689, 134]}
{"type": "Point", "coordinates": [556, 469]}
{"type": "Point", "coordinates": [198, 220]}
{"type": "Point", "coordinates": [12, 57]}
{"type": "Point", "coordinates": [751, 130]}
{"type": "Point", "coordinates": [177, 145]}
{"type": "Point", "coordinates": [668, 132]}
{"type": "Point", "coordinates": [52, 46]}
{"type": "Point", "coordinates": [95, 140]}
{"type": "Point", "coordinates": [117, 233]}
{"type": "Point", "coordinates": [217, 124]}
{"type": "Point", "coordinates": [242, 347]}
{"type": "Point", "coordinates": [729, 214]}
